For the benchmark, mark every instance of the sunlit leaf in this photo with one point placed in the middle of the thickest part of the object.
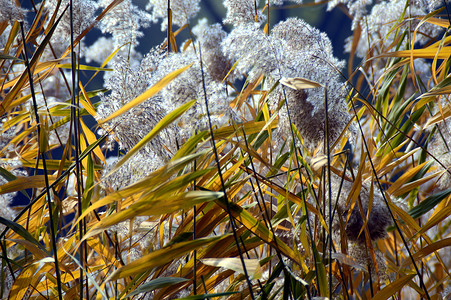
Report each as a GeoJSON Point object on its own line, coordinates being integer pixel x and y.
{"type": "Point", "coordinates": [298, 83]}
{"type": "Point", "coordinates": [23, 183]}
{"type": "Point", "coordinates": [208, 296]}
{"type": "Point", "coordinates": [83, 67]}
{"type": "Point", "coordinates": [157, 283]}
{"type": "Point", "coordinates": [17, 228]}
{"type": "Point", "coordinates": [428, 203]}
{"type": "Point", "coordinates": [234, 263]}
{"type": "Point", "coordinates": [169, 118]}
{"type": "Point", "coordinates": [160, 257]}
{"type": "Point", "coordinates": [147, 94]}
{"type": "Point", "coordinates": [393, 287]}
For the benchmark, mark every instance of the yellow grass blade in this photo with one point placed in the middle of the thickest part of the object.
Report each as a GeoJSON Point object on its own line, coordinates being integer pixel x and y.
{"type": "Point", "coordinates": [436, 21]}
{"type": "Point", "coordinates": [161, 257]}
{"type": "Point", "coordinates": [147, 94]}
{"type": "Point", "coordinates": [82, 67]}
{"type": "Point", "coordinates": [440, 215]}
{"type": "Point", "coordinates": [86, 102]}
{"type": "Point", "coordinates": [234, 263]}
{"type": "Point", "coordinates": [38, 253]}
{"type": "Point", "coordinates": [425, 251]}
{"type": "Point", "coordinates": [22, 282]}
{"type": "Point", "coordinates": [249, 128]}
{"type": "Point", "coordinates": [260, 230]}
{"type": "Point", "coordinates": [298, 83]}
{"type": "Point", "coordinates": [150, 182]}
{"type": "Point", "coordinates": [430, 53]}
{"type": "Point", "coordinates": [23, 183]}
{"type": "Point", "coordinates": [91, 137]}
{"type": "Point", "coordinates": [439, 116]}
{"type": "Point", "coordinates": [404, 178]}
{"type": "Point", "coordinates": [409, 186]}
{"type": "Point", "coordinates": [156, 206]}
{"type": "Point", "coordinates": [52, 164]}
{"type": "Point", "coordinates": [169, 118]}
{"type": "Point", "coordinates": [393, 287]}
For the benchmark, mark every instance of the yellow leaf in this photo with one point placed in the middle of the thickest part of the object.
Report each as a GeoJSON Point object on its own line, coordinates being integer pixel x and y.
{"type": "Point", "coordinates": [86, 102]}
{"type": "Point", "coordinates": [393, 287]}
{"type": "Point", "coordinates": [169, 118]}
{"type": "Point", "coordinates": [91, 137]}
{"type": "Point", "coordinates": [161, 257]}
{"type": "Point", "coordinates": [425, 251]}
{"type": "Point", "coordinates": [439, 216]}
{"type": "Point", "coordinates": [414, 184]}
{"type": "Point", "coordinates": [147, 94]}
{"type": "Point", "coordinates": [82, 67]}
{"type": "Point", "coordinates": [404, 178]}
{"type": "Point", "coordinates": [155, 206]}
{"type": "Point", "coordinates": [235, 264]}
{"type": "Point", "coordinates": [430, 53]}
{"type": "Point", "coordinates": [38, 253]}
{"type": "Point", "coordinates": [23, 183]}
{"type": "Point", "coordinates": [436, 21]}
{"type": "Point", "coordinates": [440, 116]}
{"type": "Point", "coordinates": [298, 83]}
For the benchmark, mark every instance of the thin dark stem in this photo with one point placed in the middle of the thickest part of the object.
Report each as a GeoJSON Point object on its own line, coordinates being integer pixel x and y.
{"type": "Point", "coordinates": [266, 215]}
{"type": "Point", "coordinates": [419, 145]}
{"type": "Point", "coordinates": [10, 268]}
{"type": "Point", "coordinates": [46, 179]}
{"type": "Point", "coordinates": [423, 286]}
{"type": "Point", "coordinates": [75, 120]}
{"type": "Point", "coordinates": [267, 16]}
{"type": "Point", "coordinates": [169, 26]}
{"type": "Point", "coordinates": [229, 212]}
{"type": "Point", "coordinates": [258, 280]}
{"type": "Point", "coordinates": [194, 237]}
{"type": "Point", "coordinates": [300, 178]}
{"type": "Point", "coordinates": [56, 182]}
{"type": "Point", "coordinates": [195, 254]}
{"type": "Point", "coordinates": [326, 132]}
{"type": "Point", "coordinates": [203, 283]}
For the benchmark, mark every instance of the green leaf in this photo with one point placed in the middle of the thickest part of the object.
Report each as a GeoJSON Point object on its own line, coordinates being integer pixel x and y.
{"type": "Point", "coordinates": [89, 183]}
{"type": "Point", "coordinates": [90, 278]}
{"type": "Point", "coordinates": [17, 228]}
{"type": "Point", "coordinates": [428, 203]}
{"type": "Point", "coordinates": [206, 296]}
{"type": "Point", "coordinates": [6, 56]}
{"type": "Point", "coordinates": [157, 283]}
{"type": "Point", "coordinates": [168, 119]}
{"type": "Point", "coordinates": [321, 271]}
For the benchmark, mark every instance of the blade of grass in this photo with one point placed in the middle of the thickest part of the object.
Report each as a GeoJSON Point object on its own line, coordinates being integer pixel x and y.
{"type": "Point", "coordinates": [169, 118]}
{"type": "Point", "coordinates": [147, 94]}
{"type": "Point", "coordinates": [161, 257]}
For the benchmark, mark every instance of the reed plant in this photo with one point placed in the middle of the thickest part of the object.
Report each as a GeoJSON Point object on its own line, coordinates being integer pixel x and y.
{"type": "Point", "coordinates": [245, 162]}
